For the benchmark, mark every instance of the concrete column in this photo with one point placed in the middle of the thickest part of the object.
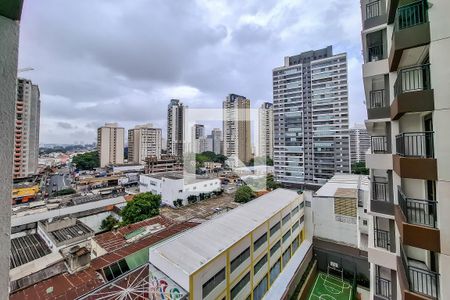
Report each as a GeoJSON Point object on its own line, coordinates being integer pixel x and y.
{"type": "Point", "coordinates": [9, 37]}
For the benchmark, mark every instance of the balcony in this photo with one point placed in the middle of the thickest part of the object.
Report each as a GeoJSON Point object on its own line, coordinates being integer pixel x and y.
{"type": "Point", "coordinates": [378, 107]}
{"type": "Point", "coordinates": [416, 280]}
{"type": "Point", "coordinates": [411, 29]}
{"type": "Point", "coordinates": [382, 239]}
{"type": "Point", "coordinates": [412, 91]}
{"type": "Point", "coordinates": [380, 197]}
{"type": "Point", "coordinates": [416, 222]}
{"type": "Point", "coordinates": [382, 288]}
{"type": "Point", "coordinates": [415, 156]}
{"type": "Point", "coordinates": [375, 14]}
{"type": "Point", "coordinates": [378, 144]}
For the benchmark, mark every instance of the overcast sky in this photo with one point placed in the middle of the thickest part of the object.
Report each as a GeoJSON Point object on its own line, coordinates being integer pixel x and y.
{"type": "Point", "coordinates": [102, 61]}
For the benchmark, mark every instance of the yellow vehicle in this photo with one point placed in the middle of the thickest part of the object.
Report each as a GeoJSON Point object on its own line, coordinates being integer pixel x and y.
{"type": "Point", "coordinates": [24, 194]}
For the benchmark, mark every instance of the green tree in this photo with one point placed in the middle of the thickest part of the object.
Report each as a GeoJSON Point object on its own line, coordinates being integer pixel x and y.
{"type": "Point", "coordinates": [143, 206]}
{"type": "Point", "coordinates": [271, 183]}
{"type": "Point", "coordinates": [244, 194]}
{"type": "Point", "coordinates": [108, 223]}
{"type": "Point", "coordinates": [64, 192]}
{"type": "Point", "coordinates": [86, 161]}
{"type": "Point", "coordinates": [257, 161]}
{"type": "Point", "coordinates": [360, 168]}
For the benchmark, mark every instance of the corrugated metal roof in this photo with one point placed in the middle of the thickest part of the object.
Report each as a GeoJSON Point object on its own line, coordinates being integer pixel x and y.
{"type": "Point", "coordinates": [194, 248]}
{"type": "Point", "coordinates": [343, 181]}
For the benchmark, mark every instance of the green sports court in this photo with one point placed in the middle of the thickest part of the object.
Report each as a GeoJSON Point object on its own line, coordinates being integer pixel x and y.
{"type": "Point", "coordinates": [329, 287]}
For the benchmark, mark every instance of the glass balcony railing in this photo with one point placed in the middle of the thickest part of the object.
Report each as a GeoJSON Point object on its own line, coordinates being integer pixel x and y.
{"type": "Point", "coordinates": [374, 9]}
{"type": "Point", "coordinates": [410, 15]}
{"type": "Point", "coordinates": [415, 144]}
{"type": "Point", "coordinates": [418, 211]}
{"type": "Point", "coordinates": [412, 79]}
{"type": "Point", "coordinates": [378, 144]}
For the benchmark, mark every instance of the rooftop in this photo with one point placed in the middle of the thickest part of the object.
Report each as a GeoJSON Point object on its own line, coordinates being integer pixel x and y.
{"type": "Point", "coordinates": [72, 286]}
{"type": "Point", "coordinates": [202, 244]}
{"type": "Point", "coordinates": [113, 240]}
{"type": "Point", "coordinates": [341, 182]}
{"type": "Point", "coordinates": [71, 232]}
{"type": "Point", "coordinates": [27, 248]}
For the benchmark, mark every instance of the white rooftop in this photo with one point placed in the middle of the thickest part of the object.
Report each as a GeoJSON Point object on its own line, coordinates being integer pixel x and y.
{"type": "Point", "coordinates": [343, 181]}
{"type": "Point", "coordinates": [188, 252]}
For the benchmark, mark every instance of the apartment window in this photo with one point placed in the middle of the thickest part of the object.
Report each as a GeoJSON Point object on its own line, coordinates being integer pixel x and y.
{"type": "Point", "coordinates": [275, 248]}
{"type": "Point", "coordinates": [258, 243]}
{"type": "Point", "coordinates": [275, 228]}
{"type": "Point", "coordinates": [302, 204]}
{"type": "Point", "coordinates": [261, 289]}
{"type": "Point", "coordinates": [286, 218]}
{"type": "Point", "coordinates": [260, 264]}
{"type": "Point", "coordinates": [286, 236]}
{"type": "Point", "coordinates": [286, 256]}
{"type": "Point", "coordinates": [235, 263]}
{"type": "Point", "coordinates": [240, 285]}
{"type": "Point", "coordinates": [295, 210]}
{"type": "Point", "coordinates": [209, 286]}
{"type": "Point", "coordinates": [275, 271]}
{"type": "Point", "coordinates": [115, 270]}
{"type": "Point", "coordinates": [302, 218]}
{"type": "Point", "coordinates": [295, 245]}
{"type": "Point", "coordinates": [295, 226]}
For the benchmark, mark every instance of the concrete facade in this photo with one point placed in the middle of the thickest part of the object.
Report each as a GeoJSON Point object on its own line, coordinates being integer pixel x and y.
{"type": "Point", "coordinates": [9, 34]}
{"type": "Point", "coordinates": [359, 143]}
{"type": "Point", "coordinates": [110, 144]}
{"type": "Point", "coordinates": [176, 118]}
{"type": "Point", "coordinates": [144, 141]}
{"type": "Point", "coordinates": [265, 129]}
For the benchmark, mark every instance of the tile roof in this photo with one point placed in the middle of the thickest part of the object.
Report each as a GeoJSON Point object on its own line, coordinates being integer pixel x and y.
{"type": "Point", "coordinates": [70, 286]}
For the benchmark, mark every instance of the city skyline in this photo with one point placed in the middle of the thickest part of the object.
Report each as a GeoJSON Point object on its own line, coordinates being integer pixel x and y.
{"type": "Point", "coordinates": [111, 92]}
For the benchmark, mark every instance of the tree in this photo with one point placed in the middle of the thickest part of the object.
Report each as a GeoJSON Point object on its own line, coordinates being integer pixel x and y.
{"type": "Point", "coordinates": [108, 223]}
{"type": "Point", "coordinates": [244, 194]}
{"type": "Point", "coordinates": [64, 192]}
{"type": "Point", "coordinates": [86, 161]}
{"type": "Point", "coordinates": [360, 168]}
{"type": "Point", "coordinates": [258, 161]}
{"type": "Point", "coordinates": [143, 206]}
{"type": "Point", "coordinates": [271, 183]}
{"type": "Point", "coordinates": [203, 157]}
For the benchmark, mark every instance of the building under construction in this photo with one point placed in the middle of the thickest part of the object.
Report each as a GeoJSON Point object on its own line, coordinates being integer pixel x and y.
{"type": "Point", "coordinates": [166, 163]}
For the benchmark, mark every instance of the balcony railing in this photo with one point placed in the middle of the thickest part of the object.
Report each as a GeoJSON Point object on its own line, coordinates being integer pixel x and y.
{"type": "Point", "coordinates": [382, 239]}
{"type": "Point", "coordinates": [418, 211]}
{"type": "Point", "coordinates": [375, 53]}
{"type": "Point", "coordinates": [379, 190]}
{"type": "Point", "coordinates": [420, 280]}
{"type": "Point", "coordinates": [377, 99]}
{"type": "Point", "coordinates": [411, 15]}
{"type": "Point", "coordinates": [415, 144]}
{"type": "Point", "coordinates": [378, 144]}
{"type": "Point", "coordinates": [383, 287]}
{"type": "Point", "coordinates": [413, 79]}
{"type": "Point", "coordinates": [373, 9]}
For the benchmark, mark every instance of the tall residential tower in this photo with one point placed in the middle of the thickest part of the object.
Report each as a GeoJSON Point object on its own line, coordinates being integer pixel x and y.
{"type": "Point", "coordinates": [236, 128]}
{"type": "Point", "coordinates": [175, 128]}
{"type": "Point", "coordinates": [406, 46]}
{"type": "Point", "coordinates": [110, 144]}
{"type": "Point", "coordinates": [143, 141]}
{"type": "Point", "coordinates": [265, 130]}
{"type": "Point", "coordinates": [310, 97]}
{"type": "Point", "coordinates": [26, 131]}
{"type": "Point", "coordinates": [359, 143]}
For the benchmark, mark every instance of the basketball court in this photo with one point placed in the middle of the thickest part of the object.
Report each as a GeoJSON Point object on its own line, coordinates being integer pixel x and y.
{"type": "Point", "coordinates": [329, 286]}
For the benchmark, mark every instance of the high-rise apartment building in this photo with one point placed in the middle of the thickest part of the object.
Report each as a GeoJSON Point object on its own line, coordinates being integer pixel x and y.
{"type": "Point", "coordinates": [110, 144]}
{"type": "Point", "coordinates": [144, 141]}
{"type": "Point", "coordinates": [310, 108]}
{"type": "Point", "coordinates": [265, 130]}
{"type": "Point", "coordinates": [175, 128]}
{"type": "Point", "coordinates": [216, 134]}
{"type": "Point", "coordinates": [406, 81]}
{"type": "Point", "coordinates": [236, 128]}
{"type": "Point", "coordinates": [359, 143]}
{"type": "Point", "coordinates": [26, 131]}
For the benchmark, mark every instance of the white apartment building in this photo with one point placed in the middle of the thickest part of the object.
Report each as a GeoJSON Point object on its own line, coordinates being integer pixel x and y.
{"type": "Point", "coordinates": [216, 134]}
{"type": "Point", "coordinates": [176, 117]}
{"type": "Point", "coordinates": [144, 141]}
{"type": "Point", "coordinates": [265, 130]}
{"type": "Point", "coordinates": [26, 131]}
{"type": "Point", "coordinates": [110, 144]}
{"type": "Point", "coordinates": [173, 186]}
{"type": "Point", "coordinates": [310, 108]}
{"type": "Point", "coordinates": [251, 252]}
{"type": "Point", "coordinates": [236, 129]}
{"type": "Point", "coordinates": [359, 143]}
{"type": "Point", "coordinates": [406, 46]}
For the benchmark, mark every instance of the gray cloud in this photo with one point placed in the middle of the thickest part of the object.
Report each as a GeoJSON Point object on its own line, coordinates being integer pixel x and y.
{"type": "Point", "coordinates": [110, 61]}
